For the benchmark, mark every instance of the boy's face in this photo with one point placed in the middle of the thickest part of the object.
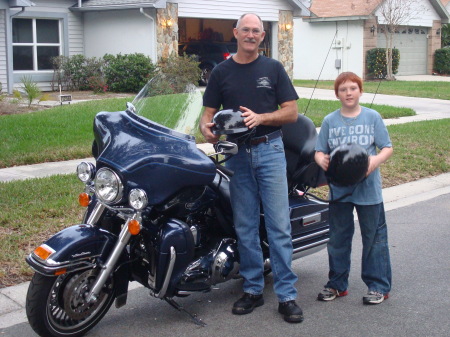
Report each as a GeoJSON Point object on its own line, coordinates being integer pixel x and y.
{"type": "Point", "coordinates": [349, 94]}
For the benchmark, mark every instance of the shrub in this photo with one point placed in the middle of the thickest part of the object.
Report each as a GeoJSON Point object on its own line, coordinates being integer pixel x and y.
{"type": "Point", "coordinates": [127, 73]}
{"type": "Point", "coordinates": [97, 84]}
{"type": "Point", "coordinates": [73, 72]}
{"type": "Point", "coordinates": [442, 60]}
{"type": "Point", "coordinates": [31, 89]}
{"type": "Point", "coordinates": [183, 68]}
{"type": "Point", "coordinates": [376, 62]}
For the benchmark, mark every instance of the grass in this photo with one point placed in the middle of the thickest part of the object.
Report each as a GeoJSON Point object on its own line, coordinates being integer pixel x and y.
{"type": "Point", "coordinates": [65, 132]}
{"type": "Point", "coordinates": [32, 210]}
{"type": "Point", "coordinates": [438, 90]}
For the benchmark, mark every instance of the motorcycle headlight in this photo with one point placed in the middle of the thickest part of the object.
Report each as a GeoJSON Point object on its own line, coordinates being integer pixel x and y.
{"type": "Point", "coordinates": [85, 171]}
{"type": "Point", "coordinates": [138, 199]}
{"type": "Point", "coordinates": [108, 186]}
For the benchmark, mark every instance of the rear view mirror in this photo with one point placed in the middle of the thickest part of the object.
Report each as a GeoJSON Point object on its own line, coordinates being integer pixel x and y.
{"type": "Point", "coordinates": [225, 147]}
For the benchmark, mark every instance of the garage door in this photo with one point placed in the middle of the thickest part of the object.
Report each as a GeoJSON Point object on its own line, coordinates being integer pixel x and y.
{"type": "Point", "coordinates": [412, 43]}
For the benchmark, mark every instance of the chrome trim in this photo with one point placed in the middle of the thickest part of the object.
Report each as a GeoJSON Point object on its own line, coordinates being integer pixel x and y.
{"type": "Point", "coordinates": [310, 236]}
{"type": "Point", "coordinates": [95, 215]}
{"type": "Point", "coordinates": [311, 245]}
{"type": "Point", "coordinates": [169, 271]}
{"type": "Point", "coordinates": [312, 219]}
{"type": "Point", "coordinates": [45, 269]}
{"type": "Point", "coordinates": [107, 269]}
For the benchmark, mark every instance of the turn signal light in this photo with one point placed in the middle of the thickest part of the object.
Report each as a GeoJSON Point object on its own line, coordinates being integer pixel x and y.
{"type": "Point", "coordinates": [84, 199]}
{"type": "Point", "coordinates": [60, 271]}
{"type": "Point", "coordinates": [134, 227]}
{"type": "Point", "coordinates": [43, 252]}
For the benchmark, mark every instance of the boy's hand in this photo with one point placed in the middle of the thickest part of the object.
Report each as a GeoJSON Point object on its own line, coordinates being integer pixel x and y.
{"type": "Point", "coordinates": [323, 160]}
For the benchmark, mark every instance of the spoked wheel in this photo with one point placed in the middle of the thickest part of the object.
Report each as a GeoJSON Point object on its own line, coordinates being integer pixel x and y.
{"type": "Point", "coordinates": [58, 306]}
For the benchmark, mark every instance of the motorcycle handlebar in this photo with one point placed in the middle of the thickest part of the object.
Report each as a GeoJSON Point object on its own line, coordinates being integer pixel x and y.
{"type": "Point", "coordinates": [224, 170]}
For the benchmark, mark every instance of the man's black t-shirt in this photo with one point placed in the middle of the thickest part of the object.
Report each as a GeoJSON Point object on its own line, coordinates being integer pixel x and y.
{"type": "Point", "coordinates": [261, 86]}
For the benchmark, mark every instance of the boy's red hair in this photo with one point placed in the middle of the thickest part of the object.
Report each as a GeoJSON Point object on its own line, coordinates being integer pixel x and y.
{"type": "Point", "coordinates": [347, 76]}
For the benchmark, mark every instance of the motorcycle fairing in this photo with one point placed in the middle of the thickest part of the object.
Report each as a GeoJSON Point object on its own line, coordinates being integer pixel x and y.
{"type": "Point", "coordinates": [74, 247]}
{"type": "Point", "coordinates": [149, 155]}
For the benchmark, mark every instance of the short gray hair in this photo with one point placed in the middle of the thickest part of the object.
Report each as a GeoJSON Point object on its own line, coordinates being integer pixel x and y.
{"type": "Point", "coordinates": [244, 15]}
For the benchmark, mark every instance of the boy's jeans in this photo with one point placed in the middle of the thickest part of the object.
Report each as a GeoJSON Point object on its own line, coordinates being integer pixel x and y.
{"type": "Point", "coordinates": [375, 265]}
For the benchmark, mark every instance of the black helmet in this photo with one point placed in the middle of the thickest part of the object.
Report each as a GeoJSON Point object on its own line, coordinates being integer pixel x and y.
{"type": "Point", "coordinates": [228, 122]}
{"type": "Point", "coordinates": [348, 165]}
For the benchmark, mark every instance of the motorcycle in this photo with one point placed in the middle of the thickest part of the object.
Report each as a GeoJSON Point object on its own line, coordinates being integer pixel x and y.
{"type": "Point", "coordinates": [158, 212]}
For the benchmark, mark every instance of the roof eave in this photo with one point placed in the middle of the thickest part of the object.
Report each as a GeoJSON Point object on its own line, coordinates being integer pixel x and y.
{"type": "Point", "coordinates": [441, 10]}
{"type": "Point", "coordinates": [109, 7]}
{"type": "Point", "coordinates": [299, 8]}
{"type": "Point", "coordinates": [337, 18]}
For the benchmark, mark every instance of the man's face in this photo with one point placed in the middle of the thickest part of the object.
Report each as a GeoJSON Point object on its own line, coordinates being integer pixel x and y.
{"type": "Point", "coordinates": [249, 34]}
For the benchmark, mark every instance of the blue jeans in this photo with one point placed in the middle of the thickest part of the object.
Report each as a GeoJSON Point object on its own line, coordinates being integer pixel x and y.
{"type": "Point", "coordinates": [375, 265]}
{"type": "Point", "coordinates": [260, 176]}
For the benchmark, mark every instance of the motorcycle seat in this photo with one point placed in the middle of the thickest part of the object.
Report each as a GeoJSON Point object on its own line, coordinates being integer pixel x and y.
{"type": "Point", "coordinates": [299, 140]}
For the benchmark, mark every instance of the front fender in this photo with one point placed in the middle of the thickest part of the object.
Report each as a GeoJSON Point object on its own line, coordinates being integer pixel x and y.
{"type": "Point", "coordinates": [74, 248]}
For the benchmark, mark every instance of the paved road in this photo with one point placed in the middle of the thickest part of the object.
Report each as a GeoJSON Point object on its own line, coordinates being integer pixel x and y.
{"type": "Point", "coordinates": [419, 303]}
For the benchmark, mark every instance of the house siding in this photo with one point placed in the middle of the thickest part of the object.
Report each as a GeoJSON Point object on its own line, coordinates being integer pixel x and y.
{"type": "Point", "coordinates": [231, 9]}
{"type": "Point", "coordinates": [423, 15]}
{"type": "Point", "coordinates": [3, 56]}
{"type": "Point", "coordinates": [315, 55]}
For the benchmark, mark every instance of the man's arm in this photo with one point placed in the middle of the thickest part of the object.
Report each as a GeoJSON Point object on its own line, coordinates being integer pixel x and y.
{"type": "Point", "coordinates": [205, 125]}
{"type": "Point", "coordinates": [288, 113]}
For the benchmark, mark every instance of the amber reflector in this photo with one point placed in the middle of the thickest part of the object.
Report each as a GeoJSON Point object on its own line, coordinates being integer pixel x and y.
{"type": "Point", "coordinates": [84, 199]}
{"type": "Point", "coordinates": [42, 252]}
{"type": "Point", "coordinates": [60, 271]}
{"type": "Point", "coordinates": [134, 227]}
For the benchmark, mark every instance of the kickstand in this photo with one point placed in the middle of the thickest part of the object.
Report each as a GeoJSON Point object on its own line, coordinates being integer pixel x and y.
{"type": "Point", "coordinates": [174, 304]}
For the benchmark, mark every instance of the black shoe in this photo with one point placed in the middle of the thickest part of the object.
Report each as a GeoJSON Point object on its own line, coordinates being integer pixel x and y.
{"type": "Point", "coordinates": [247, 303]}
{"type": "Point", "coordinates": [291, 312]}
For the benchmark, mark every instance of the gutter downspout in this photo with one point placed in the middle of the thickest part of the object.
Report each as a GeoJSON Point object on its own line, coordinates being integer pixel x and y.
{"type": "Point", "coordinates": [21, 11]}
{"type": "Point", "coordinates": [154, 56]}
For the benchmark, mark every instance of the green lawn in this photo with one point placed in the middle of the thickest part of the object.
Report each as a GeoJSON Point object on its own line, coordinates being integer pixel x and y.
{"type": "Point", "coordinates": [432, 89]}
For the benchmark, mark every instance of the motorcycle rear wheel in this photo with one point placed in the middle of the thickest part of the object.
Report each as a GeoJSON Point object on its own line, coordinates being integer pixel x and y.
{"type": "Point", "coordinates": [56, 306]}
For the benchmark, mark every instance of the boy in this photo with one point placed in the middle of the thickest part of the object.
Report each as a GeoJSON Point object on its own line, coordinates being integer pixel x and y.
{"type": "Point", "coordinates": [353, 123]}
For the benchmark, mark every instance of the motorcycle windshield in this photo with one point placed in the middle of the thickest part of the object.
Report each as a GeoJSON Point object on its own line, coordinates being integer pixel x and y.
{"type": "Point", "coordinates": [170, 102]}
{"type": "Point", "coordinates": [152, 145]}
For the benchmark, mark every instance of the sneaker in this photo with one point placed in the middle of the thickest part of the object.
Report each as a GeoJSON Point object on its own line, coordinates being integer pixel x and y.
{"type": "Point", "coordinates": [374, 297]}
{"type": "Point", "coordinates": [247, 303]}
{"type": "Point", "coordinates": [329, 294]}
{"type": "Point", "coordinates": [291, 312]}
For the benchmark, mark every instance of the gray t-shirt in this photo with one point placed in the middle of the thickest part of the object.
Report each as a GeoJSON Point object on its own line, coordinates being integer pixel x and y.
{"type": "Point", "coordinates": [366, 130]}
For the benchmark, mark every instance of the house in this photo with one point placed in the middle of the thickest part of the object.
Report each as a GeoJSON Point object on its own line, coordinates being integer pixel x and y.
{"type": "Point", "coordinates": [34, 31]}
{"type": "Point", "coordinates": [337, 34]}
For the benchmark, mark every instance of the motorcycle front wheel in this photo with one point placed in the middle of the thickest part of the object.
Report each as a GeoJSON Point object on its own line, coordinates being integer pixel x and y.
{"type": "Point", "coordinates": [57, 306]}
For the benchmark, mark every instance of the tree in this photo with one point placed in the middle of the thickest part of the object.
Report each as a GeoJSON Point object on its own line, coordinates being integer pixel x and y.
{"type": "Point", "coordinates": [393, 14]}
{"type": "Point", "coordinates": [445, 35]}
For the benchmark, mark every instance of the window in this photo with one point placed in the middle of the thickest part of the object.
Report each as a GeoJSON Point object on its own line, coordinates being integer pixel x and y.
{"type": "Point", "coordinates": [35, 43]}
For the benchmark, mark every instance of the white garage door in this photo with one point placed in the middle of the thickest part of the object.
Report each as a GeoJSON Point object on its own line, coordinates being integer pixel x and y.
{"type": "Point", "coordinates": [412, 43]}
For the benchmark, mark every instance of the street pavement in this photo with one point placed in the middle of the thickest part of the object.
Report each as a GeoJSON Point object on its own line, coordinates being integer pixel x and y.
{"type": "Point", "coordinates": [417, 215]}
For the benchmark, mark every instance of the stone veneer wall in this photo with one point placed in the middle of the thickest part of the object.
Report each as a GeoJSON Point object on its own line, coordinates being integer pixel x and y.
{"type": "Point", "coordinates": [369, 41]}
{"type": "Point", "coordinates": [286, 42]}
{"type": "Point", "coordinates": [434, 43]}
{"type": "Point", "coordinates": [167, 36]}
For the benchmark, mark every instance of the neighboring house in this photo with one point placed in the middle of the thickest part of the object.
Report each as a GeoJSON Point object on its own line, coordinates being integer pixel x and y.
{"type": "Point", "coordinates": [32, 32]}
{"type": "Point", "coordinates": [337, 35]}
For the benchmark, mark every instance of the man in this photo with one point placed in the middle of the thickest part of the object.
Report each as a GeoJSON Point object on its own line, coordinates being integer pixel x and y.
{"type": "Point", "coordinates": [261, 89]}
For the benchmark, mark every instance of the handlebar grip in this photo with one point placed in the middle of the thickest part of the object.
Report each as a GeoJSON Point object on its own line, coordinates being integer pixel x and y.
{"type": "Point", "coordinates": [224, 170]}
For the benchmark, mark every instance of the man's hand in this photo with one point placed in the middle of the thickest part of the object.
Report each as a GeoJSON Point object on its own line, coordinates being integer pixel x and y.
{"type": "Point", "coordinates": [251, 119]}
{"type": "Point", "coordinates": [206, 125]}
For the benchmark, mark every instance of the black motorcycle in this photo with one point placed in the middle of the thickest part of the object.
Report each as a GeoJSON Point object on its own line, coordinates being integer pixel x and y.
{"type": "Point", "coordinates": [158, 212]}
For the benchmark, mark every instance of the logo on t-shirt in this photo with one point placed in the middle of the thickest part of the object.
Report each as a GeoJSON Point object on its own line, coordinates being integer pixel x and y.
{"type": "Point", "coordinates": [263, 82]}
